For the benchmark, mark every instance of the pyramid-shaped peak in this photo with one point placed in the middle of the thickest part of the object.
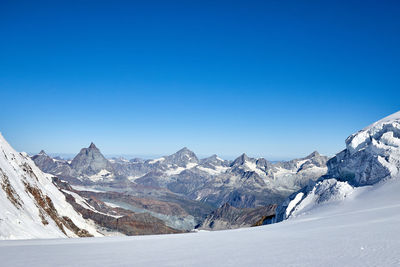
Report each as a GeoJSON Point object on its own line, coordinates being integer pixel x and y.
{"type": "Point", "coordinates": [240, 160]}
{"type": "Point", "coordinates": [184, 150]}
{"type": "Point", "coordinates": [243, 157]}
{"type": "Point", "coordinates": [42, 152]}
{"type": "Point", "coordinates": [92, 145]}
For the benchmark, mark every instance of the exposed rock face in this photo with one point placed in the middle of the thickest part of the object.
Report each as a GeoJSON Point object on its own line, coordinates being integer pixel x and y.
{"type": "Point", "coordinates": [31, 205]}
{"type": "Point", "coordinates": [182, 158]}
{"type": "Point", "coordinates": [90, 162]}
{"type": "Point", "coordinates": [197, 186]}
{"type": "Point", "coordinates": [113, 217]}
{"type": "Point", "coordinates": [228, 217]}
{"type": "Point", "coordinates": [54, 166]}
{"type": "Point", "coordinates": [371, 154]}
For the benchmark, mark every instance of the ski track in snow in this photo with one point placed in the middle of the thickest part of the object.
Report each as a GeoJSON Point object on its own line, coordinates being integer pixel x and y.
{"type": "Point", "coordinates": [360, 231]}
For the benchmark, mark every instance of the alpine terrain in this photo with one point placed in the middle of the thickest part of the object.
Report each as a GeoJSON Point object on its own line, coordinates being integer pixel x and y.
{"type": "Point", "coordinates": [181, 189]}
{"type": "Point", "coordinates": [347, 217]}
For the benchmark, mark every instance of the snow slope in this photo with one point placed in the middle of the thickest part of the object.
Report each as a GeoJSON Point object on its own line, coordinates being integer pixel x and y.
{"type": "Point", "coordinates": [31, 206]}
{"type": "Point", "coordinates": [362, 230]}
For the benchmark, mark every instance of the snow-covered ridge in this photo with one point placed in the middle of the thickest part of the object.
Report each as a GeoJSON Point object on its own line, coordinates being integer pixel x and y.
{"type": "Point", "coordinates": [361, 232]}
{"type": "Point", "coordinates": [326, 191]}
{"type": "Point", "coordinates": [31, 205]}
{"type": "Point", "coordinates": [388, 128]}
{"type": "Point", "coordinates": [372, 156]}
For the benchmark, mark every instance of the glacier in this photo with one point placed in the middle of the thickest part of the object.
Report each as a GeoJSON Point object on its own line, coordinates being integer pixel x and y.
{"type": "Point", "coordinates": [361, 230]}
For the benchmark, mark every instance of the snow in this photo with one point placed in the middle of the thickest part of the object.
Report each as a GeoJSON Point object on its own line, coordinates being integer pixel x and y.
{"type": "Point", "coordinates": [112, 205]}
{"type": "Point", "coordinates": [253, 167]}
{"type": "Point", "coordinates": [174, 171]}
{"type": "Point", "coordinates": [177, 170]}
{"type": "Point", "coordinates": [217, 170]}
{"type": "Point", "coordinates": [363, 138]}
{"type": "Point", "coordinates": [100, 175]}
{"type": "Point", "coordinates": [25, 221]}
{"type": "Point", "coordinates": [389, 119]}
{"type": "Point", "coordinates": [191, 165]}
{"type": "Point", "coordinates": [328, 191]}
{"type": "Point", "coordinates": [293, 203]}
{"type": "Point", "coordinates": [156, 160]}
{"type": "Point", "coordinates": [86, 188]}
{"type": "Point", "coordinates": [358, 231]}
{"type": "Point", "coordinates": [81, 201]}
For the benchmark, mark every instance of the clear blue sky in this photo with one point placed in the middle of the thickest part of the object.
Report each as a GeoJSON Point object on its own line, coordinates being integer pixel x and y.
{"type": "Point", "coordinates": [270, 78]}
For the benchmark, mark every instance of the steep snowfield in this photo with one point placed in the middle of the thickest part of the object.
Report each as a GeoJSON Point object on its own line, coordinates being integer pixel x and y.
{"type": "Point", "coordinates": [31, 205]}
{"type": "Point", "coordinates": [362, 230]}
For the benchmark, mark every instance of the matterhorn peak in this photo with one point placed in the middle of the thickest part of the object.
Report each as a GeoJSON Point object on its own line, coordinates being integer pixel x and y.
{"type": "Point", "coordinates": [42, 153]}
{"type": "Point", "coordinates": [92, 146]}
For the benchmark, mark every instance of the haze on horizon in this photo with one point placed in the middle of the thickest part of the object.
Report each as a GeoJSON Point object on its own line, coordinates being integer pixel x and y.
{"type": "Point", "coordinates": [272, 79]}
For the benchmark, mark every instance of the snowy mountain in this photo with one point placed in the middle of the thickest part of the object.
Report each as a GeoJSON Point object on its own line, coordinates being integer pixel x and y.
{"type": "Point", "coordinates": [31, 205]}
{"type": "Point", "coordinates": [372, 155]}
{"type": "Point", "coordinates": [90, 163]}
{"type": "Point", "coordinates": [361, 231]}
{"type": "Point", "coordinates": [198, 186]}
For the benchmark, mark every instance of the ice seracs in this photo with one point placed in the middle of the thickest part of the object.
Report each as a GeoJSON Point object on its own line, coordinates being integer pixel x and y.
{"type": "Point", "coordinates": [372, 155]}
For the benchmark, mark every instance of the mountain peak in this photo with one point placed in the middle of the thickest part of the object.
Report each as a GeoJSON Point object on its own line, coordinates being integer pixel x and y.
{"type": "Point", "coordinates": [92, 145]}
{"type": "Point", "coordinates": [313, 154]}
{"type": "Point", "coordinates": [90, 161]}
{"type": "Point", "coordinates": [184, 150]}
{"type": "Point", "coordinates": [181, 157]}
{"type": "Point", "coordinates": [42, 153]}
{"type": "Point", "coordinates": [240, 160]}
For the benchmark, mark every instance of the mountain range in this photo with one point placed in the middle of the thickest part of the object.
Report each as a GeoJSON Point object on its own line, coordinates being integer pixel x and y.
{"type": "Point", "coordinates": [94, 196]}
{"type": "Point", "coordinates": [182, 181]}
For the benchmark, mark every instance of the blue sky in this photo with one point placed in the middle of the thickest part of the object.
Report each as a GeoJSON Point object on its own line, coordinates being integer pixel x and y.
{"type": "Point", "coordinates": [277, 79]}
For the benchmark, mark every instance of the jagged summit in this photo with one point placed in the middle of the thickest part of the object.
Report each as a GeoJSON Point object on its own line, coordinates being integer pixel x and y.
{"type": "Point", "coordinates": [240, 160]}
{"type": "Point", "coordinates": [92, 146]}
{"type": "Point", "coordinates": [42, 153]}
{"type": "Point", "coordinates": [184, 150]}
{"type": "Point", "coordinates": [371, 154]}
{"type": "Point", "coordinates": [90, 161]}
{"type": "Point", "coordinates": [182, 157]}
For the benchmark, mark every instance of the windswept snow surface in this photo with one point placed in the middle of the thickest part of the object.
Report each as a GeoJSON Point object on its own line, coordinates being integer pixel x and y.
{"type": "Point", "coordinates": [362, 230]}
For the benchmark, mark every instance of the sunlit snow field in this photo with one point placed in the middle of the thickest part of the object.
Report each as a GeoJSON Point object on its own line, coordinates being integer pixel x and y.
{"type": "Point", "coordinates": [364, 230]}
